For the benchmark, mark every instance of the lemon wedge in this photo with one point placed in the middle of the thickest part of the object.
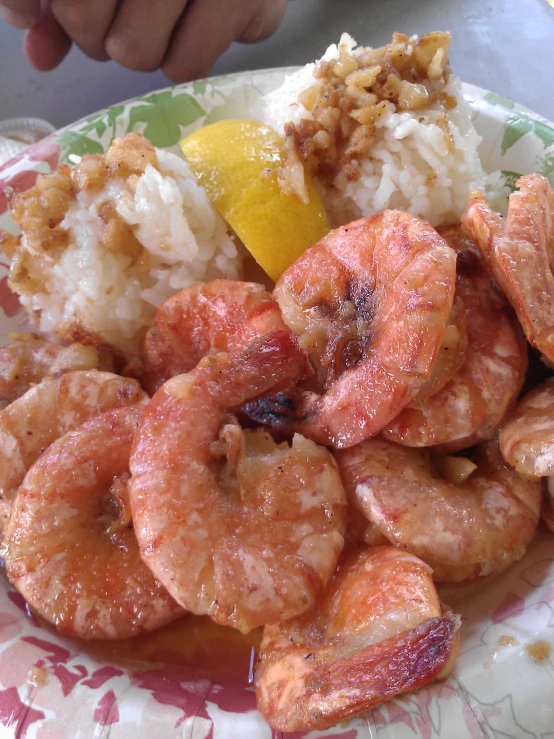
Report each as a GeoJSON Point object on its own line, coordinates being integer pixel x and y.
{"type": "Point", "coordinates": [235, 161]}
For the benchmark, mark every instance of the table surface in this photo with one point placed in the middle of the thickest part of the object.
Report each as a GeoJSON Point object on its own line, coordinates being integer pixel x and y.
{"type": "Point", "coordinates": [501, 45]}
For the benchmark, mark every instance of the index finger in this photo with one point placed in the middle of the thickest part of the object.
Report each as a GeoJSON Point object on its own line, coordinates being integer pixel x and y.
{"type": "Point", "coordinates": [208, 28]}
{"type": "Point", "coordinates": [20, 13]}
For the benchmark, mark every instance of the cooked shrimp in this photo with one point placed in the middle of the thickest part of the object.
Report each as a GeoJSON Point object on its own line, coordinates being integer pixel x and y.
{"type": "Point", "coordinates": [527, 437]}
{"type": "Point", "coordinates": [472, 405]}
{"type": "Point", "coordinates": [370, 303]}
{"type": "Point", "coordinates": [376, 633]}
{"type": "Point", "coordinates": [206, 318]}
{"type": "Point", "coordinates": [234, 526]}
{"type": "Point", "coordinates": [46, 412]}
{"type": "Point", "coordinates": [479, 525]}
{"type": "Point", "coordinates": [27, 361]}
{"type": "Point", "coordinates": [520, 252]}
{"type": "Point", "coordinates": [67, 549]}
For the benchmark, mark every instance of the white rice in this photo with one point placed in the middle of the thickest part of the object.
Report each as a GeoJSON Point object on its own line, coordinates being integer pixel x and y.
{"type": "Point", "coordinates": [112, 294]}
{"type": "Point", "coordinates": [410, 166]}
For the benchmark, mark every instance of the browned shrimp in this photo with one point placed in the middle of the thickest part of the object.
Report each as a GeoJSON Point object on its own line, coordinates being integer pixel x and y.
{"type": "Point", "coordinates": [69, 548]}
{"type": "Point", "coordinates": [206, 318]}
{"type": "Point", "coordinates": [376, 633]}
{"type": "Point", "coordinates": [520, 252]}
{"type": "Point", "coordinates": [46, 412]}
{"type": "Point", "coordinates": [480, 524]}
{"type": "Point", "coordinates": [471, 407]}
{"type": "Point", "coordinates": [370, 303]}
{"type": "Point", "coordinates": [233, 525]}
{"type": "Point", "coordinates": [28, 360]}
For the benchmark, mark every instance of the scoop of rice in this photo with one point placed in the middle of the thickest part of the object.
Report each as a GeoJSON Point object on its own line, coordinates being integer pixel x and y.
{"type": "Point", "coordinates": [384, 128]}
{"type": "Point", "coordinates": [105, 243]}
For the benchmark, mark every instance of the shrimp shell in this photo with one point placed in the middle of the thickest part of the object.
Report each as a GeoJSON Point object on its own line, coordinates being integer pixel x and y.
{"type": "Point", "coordinates": [462, 531]}
{"type": "Point", "coordinates": [527, 437]}
{"type": "Point", "coordinates": [65, 550]}
{"type": "Point", "coordinates": [520, 252]}
{"type": "Point", "coordinates": [471, 407]}
{"type": "Point", "coordinates": [376, 633]}
{"type": "Point", "coordinates": [370, 303]}
{"type": "Point", "coordinates": [49, 410]}
{"type": "Point", "coordinates": [232, 525]}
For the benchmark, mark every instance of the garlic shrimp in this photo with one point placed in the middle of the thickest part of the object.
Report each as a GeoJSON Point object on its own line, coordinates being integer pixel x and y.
{"type": "Point", "coordinates": [235, 526]}
{"type": "Point", "coordinates": [206, 318]}
{"type": "Point", "coordinates": [471, 407]}
{"type": "Point", "coordinates": [520, 252]}
{"type": "Point", "coordinates": [27, 361]}
{"type": "Point", "coordinates": [49, 410]}
{"type": "Point", "coordinates": [477, 525]}
{"type": "Point", "coordinates": [377, 632]}
{"type": "Point", "coordinates": [68, 546]}
{"type": "Point", "coordinates": [370, 303]}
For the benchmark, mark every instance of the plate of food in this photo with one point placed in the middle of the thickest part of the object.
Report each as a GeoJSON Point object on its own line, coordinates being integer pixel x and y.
{"type": "Point", "coordinates": [276, 422]}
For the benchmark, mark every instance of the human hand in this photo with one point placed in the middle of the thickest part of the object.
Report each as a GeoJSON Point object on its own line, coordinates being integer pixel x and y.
{"type": "Point", "coordinates": [183, 37]}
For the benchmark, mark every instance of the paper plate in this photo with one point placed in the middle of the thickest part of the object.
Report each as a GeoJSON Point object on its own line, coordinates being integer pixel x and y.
{"type": "Point", "coordinates": [194, 683]}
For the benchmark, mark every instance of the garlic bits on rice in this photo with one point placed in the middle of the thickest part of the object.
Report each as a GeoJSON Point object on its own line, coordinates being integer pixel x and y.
{"type": "Point", "coordinates": [382, 128]}
{"type": "Point", "coordinates": [104, 243]}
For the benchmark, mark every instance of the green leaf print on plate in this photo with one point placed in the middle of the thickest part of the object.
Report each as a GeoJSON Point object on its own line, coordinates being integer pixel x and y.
{"type": "Point", "coordinates": [511, 178]}
{"type": "Point", "coordinates": [517, 126]}
{"type": "Point", "coordinates": [113, 114]}
{"type": "Point", "coordinates": [544, 132]}
{"type": "Point", "coordinates": [71, 142]}
{"type": "Point", "coordinates": [199, 87]}
{"type": "Point", "coordinates": [502, 102]}
{"type": "Point", "coordinates": [547, 167]}
{"type": "Point", "coordinates": [164, 114]}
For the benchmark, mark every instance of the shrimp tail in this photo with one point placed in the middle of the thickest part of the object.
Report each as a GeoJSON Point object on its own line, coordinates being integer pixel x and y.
{"type": "Point", "coordinates": [483, 225]}
{"type": "Point", "coordinates": [272, 363]}
{"type": "Point", "coordinates": [290, 412]}
{"type": "Point", "coordinates": [334, 690]}
{"type": "Point", "coordinates": [279, 360]}
{"type": "Point", "coordinates": [278, 412]}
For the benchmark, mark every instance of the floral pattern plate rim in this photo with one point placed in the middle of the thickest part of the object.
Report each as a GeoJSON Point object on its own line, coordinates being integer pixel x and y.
{"type": "Point", "coordinates": [50, 687]}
